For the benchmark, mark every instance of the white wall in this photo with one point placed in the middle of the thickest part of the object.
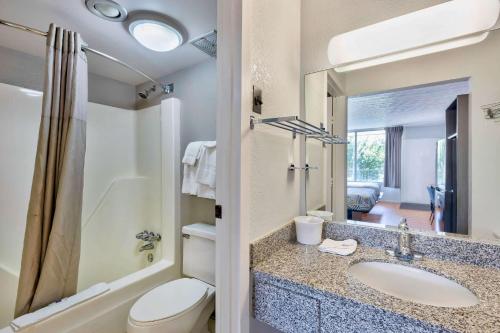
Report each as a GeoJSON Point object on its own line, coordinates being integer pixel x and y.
{"type": "Point", "coordinates": [418, 161]}
{"type": "Point", "coordinates": [271, 61]}
{"type": "Point", "coordinates": [25, 70]}
{"type": "Point", "coordinates": [122, 191]}
{"type": "Point", "coordinates": [316, 88]}
{"type": "Point", "coordinates": [270, 194]}
{"type": "Point", "coordinates": [19, 123]}
{"type": "Point", "coordinates": [195, 87]}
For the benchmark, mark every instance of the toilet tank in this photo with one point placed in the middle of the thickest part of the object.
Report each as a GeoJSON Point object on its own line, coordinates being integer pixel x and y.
{"type": "Point", "coordinates": [198, 257]}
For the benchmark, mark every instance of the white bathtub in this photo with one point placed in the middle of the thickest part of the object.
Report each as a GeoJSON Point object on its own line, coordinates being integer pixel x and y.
{"type": "Point", "coordinates": [108, 312]}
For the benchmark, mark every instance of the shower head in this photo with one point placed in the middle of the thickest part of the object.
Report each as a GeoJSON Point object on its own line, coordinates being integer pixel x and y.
{"type": "Point", "coordinates": [145, 93]}
{"type": "Point", "coordinates": [165, 88]}
{"type": "Point", "coordinates": [207, 43]}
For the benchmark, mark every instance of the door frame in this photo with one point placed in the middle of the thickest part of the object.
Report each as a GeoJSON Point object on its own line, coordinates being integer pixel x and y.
{"type": "Point", "coordinates": [231, 269]}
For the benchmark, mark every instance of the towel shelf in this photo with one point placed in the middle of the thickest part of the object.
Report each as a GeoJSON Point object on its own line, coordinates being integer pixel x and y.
{"type": "Point", "coordinates": [297, 126]}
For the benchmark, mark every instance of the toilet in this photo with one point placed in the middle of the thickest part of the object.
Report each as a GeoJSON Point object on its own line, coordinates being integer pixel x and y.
{"type": "Point", "coordinates": [183, 305]}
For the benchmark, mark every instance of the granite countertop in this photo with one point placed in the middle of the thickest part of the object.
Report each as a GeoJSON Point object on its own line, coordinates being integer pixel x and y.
{"type": "Point", "coordinates": [301, 265]}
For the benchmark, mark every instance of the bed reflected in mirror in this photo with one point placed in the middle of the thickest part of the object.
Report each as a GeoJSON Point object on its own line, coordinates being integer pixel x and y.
{"type": "Point", "coordinates": [407, 156]}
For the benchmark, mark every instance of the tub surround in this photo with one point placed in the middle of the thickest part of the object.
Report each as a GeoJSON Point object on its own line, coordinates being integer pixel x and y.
{"type": "Point", "coordinates": [300, 289]}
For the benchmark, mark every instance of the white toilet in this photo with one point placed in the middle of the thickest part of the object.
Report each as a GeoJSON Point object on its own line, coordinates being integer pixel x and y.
{"type": "Point", "coordinates": [183, 305]}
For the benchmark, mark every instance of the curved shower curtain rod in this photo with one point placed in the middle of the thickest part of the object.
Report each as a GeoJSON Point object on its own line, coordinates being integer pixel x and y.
{"type": "Point", "coordinates": [165, 88]}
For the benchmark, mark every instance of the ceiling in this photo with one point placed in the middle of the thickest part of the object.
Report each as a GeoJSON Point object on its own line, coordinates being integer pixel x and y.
{"type": "Point", "coordinates": [416, 106]}
{"type": "Point", "coordinates": [197, 17]}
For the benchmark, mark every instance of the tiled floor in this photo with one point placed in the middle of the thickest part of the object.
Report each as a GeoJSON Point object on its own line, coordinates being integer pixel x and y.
{"type": "Point", "coordinates": [389, 213]}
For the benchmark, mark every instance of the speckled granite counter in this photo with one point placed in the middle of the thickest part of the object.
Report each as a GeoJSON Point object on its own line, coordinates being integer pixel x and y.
{"type": "Point", "coordinates": [299, 289]}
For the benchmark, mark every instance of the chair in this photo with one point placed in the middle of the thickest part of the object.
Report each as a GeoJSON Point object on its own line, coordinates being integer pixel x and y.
{"type": "Point", "coordinates": [432, 196]}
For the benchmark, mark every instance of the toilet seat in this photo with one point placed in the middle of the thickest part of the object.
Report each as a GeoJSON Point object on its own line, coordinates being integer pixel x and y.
{"type": "Point", "coordinates": [167, 301]}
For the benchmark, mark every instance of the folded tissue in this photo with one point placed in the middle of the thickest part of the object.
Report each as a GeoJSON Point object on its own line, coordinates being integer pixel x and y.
{"type": "Point", "coordinates": [343, 248]}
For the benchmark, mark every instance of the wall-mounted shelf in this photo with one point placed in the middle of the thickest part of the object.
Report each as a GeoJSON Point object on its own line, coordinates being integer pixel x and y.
{"type": "Point", "coordinates": [297, 126]}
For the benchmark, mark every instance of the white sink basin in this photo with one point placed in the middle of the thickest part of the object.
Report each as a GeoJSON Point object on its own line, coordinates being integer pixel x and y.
{"type": "Point", "coordinates": [412, 284]}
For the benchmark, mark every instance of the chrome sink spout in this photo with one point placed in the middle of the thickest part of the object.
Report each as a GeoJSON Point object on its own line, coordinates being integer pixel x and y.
{"type": "Point", "coordinates": [404, 252]}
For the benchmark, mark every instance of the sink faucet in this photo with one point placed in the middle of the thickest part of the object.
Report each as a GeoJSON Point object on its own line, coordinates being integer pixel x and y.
{"type": "Point", "coordinates": [404, 252]}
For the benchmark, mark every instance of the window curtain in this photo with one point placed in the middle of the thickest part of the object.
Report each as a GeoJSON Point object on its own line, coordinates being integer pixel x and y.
{"type": "Point", "coordinates": [51, 253]}
{"type": "Point", "coordinates": [392, 168]}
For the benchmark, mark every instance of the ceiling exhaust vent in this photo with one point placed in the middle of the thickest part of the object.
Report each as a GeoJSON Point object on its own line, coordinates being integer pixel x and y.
{"type": "Point", "coordinates": [207, 43]}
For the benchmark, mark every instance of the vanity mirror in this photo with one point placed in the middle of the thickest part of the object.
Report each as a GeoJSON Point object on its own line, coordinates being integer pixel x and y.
{"type": "Point", "coordinates": [420, 145]}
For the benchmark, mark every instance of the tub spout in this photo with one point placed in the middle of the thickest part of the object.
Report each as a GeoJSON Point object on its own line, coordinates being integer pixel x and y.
{"type": "Point", "coordinates": [146, 247]}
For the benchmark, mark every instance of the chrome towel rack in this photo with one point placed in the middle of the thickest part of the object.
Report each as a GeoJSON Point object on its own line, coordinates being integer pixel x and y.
{"type": "Point", "coordinates": [297, 126]}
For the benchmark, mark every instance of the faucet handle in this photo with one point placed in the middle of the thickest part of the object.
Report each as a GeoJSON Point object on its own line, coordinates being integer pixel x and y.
{"type": "Point", "coordinates": [142, 235]}
{"type": "Point", "coordinates": [403, 225]}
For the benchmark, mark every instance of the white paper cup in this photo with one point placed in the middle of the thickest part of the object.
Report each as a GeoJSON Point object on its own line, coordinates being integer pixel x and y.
{"type": "Point", "coordinates": [309, 229]}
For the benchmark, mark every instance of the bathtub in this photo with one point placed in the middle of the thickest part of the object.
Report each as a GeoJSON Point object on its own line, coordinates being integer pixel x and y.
{"type": "Point", "coordinates": [106, 313]}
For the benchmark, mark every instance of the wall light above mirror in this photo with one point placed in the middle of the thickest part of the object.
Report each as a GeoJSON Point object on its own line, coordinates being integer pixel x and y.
{"type": "Point", "coordinates": [438, 28]}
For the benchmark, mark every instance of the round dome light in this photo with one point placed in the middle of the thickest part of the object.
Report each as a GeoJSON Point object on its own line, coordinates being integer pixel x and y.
{"type": "Point", "coordinates": [107, 9]}
{"type": "Point", "coordinates": [155, 35]}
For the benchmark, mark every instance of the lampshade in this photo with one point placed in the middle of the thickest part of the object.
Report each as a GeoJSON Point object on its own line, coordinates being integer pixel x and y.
{"type": "Point", "coordinates": [438, 28]}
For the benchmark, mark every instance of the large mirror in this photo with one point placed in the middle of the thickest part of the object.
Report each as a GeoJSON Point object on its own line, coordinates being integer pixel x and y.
{"type": "Point", "coordinates": [420, 146]}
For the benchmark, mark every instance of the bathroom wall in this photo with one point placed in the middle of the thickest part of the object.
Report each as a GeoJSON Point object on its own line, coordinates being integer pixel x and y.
{"type": "Point", "coordinates": [316, 89]}
{"type": "Point", "coordinates": [195, 87]}
{"type": "Point", "coordinates": [121, 188]}
{"type": "Point", "coordinates": [19, 122]}
{"type": "Point", "coordinates": [270, 194]}
{"type": "Point", "coordinates": [25, 70]}
{"type": "Point", "coordinates": [122, 191]}
{"type": "Point", "coordinates": [418, 161]}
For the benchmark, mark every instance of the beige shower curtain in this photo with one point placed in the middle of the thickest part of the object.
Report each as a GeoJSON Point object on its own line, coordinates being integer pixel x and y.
{"type": "Point", "coordinates": [49, 268]}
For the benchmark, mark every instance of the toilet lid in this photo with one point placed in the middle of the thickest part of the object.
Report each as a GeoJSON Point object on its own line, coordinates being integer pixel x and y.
{"type": "Point", "coordinates": [168, 300]}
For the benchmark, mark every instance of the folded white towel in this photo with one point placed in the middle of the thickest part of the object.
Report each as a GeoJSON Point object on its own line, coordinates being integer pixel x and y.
{"type": "Point", "coordinates": [192, 152]}
{"type": "Point", "coordinates": [207, 170]}
{"type": "Point", "coordinates": [189, 184]}
{"type": "Point", "coordinates": [343, 248]}
{"type": "Point", "coordinates": [52, 309]}
{"type": "Point", "coordinates": [200, 169]}
{"type": "Point", "coordinates": [205, 191]}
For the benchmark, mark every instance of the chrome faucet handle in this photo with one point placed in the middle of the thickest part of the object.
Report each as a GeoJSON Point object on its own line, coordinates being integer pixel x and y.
{"type": "Point", "coordinates": [148, 236]}
{"type": "Point", "coordinates": [152, 237]}
{"type": "Point", "coordinates": [142, 235]}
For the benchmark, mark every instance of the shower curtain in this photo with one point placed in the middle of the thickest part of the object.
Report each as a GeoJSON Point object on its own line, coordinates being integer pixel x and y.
{"type": "Point", "coordinates": [49, 267]}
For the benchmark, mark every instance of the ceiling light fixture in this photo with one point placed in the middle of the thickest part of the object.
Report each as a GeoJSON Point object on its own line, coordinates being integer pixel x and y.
{"type": "Point", "coordinates": [438, 28]}
{"type": "Point", "coordinates": [155, 35]}
{"type": "Point", "coordinates": [107, 9]}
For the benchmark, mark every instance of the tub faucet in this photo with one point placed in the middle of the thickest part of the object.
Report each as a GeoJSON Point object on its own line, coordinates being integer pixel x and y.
{"type": "Point", "coordinates": [146, 247]}
{"type": "Point", "coordinates": [150, 238]}
{"type": "Point", "coordinates": [404, 252]}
